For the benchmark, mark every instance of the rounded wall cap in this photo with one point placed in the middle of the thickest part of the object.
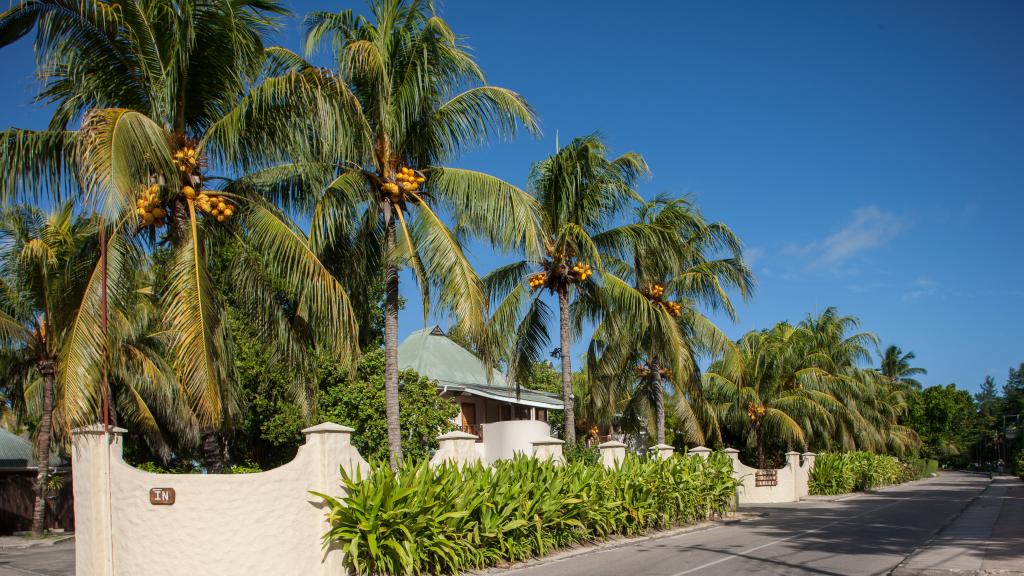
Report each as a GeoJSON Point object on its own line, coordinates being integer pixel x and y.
{"type": "Point", "coordinates": [731, 451]}
{"type": "Point", "coordinates": [328, 428]}
{"type": "Point", "coordinates": [97, 429]}
{"type": "Point", "coordinates": [792, 453]}
{"type": "Point", "coordinates": [809, 454]}
{"type": "Point", "coordinates": [700, 449]}
{"type": "Point", "coordinates": [457, 435]}
{"type": "Point", "coordinates": [664, 447]}
{"type": "Point", "coordinates": [611, 444]}
{"type": "Point", "coordinates": [547, 442]}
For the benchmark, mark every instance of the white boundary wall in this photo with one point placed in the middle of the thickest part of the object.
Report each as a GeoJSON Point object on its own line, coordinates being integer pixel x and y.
{"type": "Point", "coordinates": [219, 524]}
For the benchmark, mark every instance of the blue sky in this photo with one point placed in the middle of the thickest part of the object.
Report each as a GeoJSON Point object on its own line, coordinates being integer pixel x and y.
{"type": "Point", "coordinates": [869, 154]}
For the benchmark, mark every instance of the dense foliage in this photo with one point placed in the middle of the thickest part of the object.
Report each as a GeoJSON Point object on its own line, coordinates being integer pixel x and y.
{"type": "Point", "coordinates": [844, 472]}
{"type": "Point", "coordinates": [446, 520]}
{"type": "Point", "coordinates": [358, 401]}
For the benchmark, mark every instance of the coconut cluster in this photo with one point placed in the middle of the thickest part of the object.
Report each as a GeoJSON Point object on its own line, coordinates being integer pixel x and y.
{"type": "Point", "coordinates": [407, 180]}
{"type": "Point", "coordinates": [186, 159]}
{"type": "Point", "coordinates": [755, 411]}
{"type": "Point", "coordinates": [537, 280]}
{"type": "Point", "coordinates": [581, 271]}
{"type": "Point", "coordinates": [673, 308]}
{"type": "Point", "coordinates": [656, 290]}
{"type": "Point", "coordinates": [216, 206]}
{"type": "Point", "coordinates": [148, 207]}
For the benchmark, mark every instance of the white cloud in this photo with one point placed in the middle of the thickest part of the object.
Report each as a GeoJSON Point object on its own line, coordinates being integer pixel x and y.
{"type": "Point", "coordinates": [869, 228]}
{"type": "Point", "coordinates": [753, 254]}
{"type": "Point", "coordinates": [922, 288]}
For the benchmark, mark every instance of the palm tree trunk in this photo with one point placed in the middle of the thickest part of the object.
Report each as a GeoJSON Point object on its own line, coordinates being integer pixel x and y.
{"type": "Point", "coordinates": [565, 353]}
{"type": "Point", "coordinates": [213, 455]}
{"type": "Point", "coordinates": [659, 403]}
{"type": "Point", "coordinates": [391, 355]}
{"type": "Point", "coordinates": [47, 369]}
{"type": "Point", "coordinates": [180, 228]}
{"type": "Point", "coordinates": [760, 447]}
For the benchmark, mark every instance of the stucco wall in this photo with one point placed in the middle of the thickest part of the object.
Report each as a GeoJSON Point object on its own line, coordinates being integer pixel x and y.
{"type": "Point", "coordinates": [791, 480]}
{"type": "Point", "coordinates": [502, 440]}
{"type": "Point", "coordinates": [264, 523]}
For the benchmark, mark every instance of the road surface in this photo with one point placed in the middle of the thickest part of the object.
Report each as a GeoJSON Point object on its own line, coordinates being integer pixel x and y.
{"type": "Point", "coordinates": [866, 534]}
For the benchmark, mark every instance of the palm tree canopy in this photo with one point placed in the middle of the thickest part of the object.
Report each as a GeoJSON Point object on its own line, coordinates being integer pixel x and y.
{"type": "Point", "coordinates": [174, 99]}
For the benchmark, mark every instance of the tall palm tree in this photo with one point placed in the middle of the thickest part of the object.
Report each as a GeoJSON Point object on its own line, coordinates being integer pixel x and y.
{"type": "Point", "coordinates": [417, 100]}
{"type": "Point", "coordinates": [172, 96]}
{"type": "Point", "coordinates": [580, 190]}
{"type": "Point", "coordinates": [680, 264]}
{"type": "Point", "coordinates": [45, 261]}
{"type": "Point", "coordinates": [897, 367]}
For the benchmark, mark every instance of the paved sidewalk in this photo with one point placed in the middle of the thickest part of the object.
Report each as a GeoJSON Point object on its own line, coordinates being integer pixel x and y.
{"type": "Point", "coordinates": [988, 537]}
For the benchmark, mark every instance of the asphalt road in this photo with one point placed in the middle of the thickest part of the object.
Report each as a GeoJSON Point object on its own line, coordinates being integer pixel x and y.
{"type": "Point", "coordinates": [860, 535]}
{"type": "Point", "coordinates": [55, 560]}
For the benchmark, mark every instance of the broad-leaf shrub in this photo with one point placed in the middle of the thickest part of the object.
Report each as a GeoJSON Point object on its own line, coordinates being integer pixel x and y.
{"type": "Point", "coordinates": [449, 519]}
{"type": "Point", "coordinates": [842, 472]}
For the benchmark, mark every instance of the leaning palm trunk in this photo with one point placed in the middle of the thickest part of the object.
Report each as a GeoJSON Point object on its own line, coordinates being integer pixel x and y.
{"type": "Point", "coordinates": [564, 352]}
{"type": "Point", "coordinates": [391, 356]}
{"type": "Point", "coordinates": [46, 367]}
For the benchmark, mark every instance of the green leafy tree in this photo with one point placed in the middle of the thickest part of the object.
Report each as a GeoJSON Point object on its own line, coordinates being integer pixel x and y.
{"type": "Point", "coordinates": [945, 419]}
{"type": "Point", "coordinates": [414, 100]}
{"type": "Point", "coordinates": [169, 95]}
{"type": "Point", "coordinates": [359, 401]}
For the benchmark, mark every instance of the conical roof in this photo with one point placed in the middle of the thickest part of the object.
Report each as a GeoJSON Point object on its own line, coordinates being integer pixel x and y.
{"type": "Point", "coordinates": [432, 354]}
{"type": "Point", "coordinates": [17, 453]}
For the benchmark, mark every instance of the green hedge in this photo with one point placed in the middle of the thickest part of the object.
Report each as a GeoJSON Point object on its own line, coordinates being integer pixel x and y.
{"type": "Point", "coordinates": [843, 472]}
{"type": "Point", "coordinates": [446, 520]}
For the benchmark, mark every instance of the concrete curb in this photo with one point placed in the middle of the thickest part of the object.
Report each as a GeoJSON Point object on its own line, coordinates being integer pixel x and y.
{"type": "Point", "coordinates": [568, 553]}
{"type": "Point", "coordinates": [23, 543]}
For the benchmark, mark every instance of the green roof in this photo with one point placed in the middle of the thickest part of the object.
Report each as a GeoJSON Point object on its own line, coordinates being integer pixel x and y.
{"type": "Point", "coordinates": [17, 453]}
{"type": "Point", "coordinates": [432, 354]}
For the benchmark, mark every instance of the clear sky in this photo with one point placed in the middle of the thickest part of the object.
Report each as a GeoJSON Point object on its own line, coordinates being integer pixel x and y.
{"type": "Point", "coordinates": [869, 154]}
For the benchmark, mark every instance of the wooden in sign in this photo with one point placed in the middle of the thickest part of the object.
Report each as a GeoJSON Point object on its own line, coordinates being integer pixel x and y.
{"type": "Point", "coordinates": [161, 496]}
{"type": "Point", "coordinates": [766, 478]}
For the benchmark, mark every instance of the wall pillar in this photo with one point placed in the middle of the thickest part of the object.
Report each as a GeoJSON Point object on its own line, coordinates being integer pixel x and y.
{"type": "Point", "coordinates": [702, 451]}
{"type": "Point", "coordinates": [456, 447]}
{"type": "Point", "coordinates": [330, 445]}
{"type": "Point", "coordinates": [92, 450]}
{"type": "Point", "coordinates": [549, 449]}
{"type": "Point", "coordinates": [612, 453]}
{"type": "Point", "coordinates": [663, 451]}
{"type": "Point", "coordinates": [804, 476]}
{"type": "Point", "coordinates": [793, 463]}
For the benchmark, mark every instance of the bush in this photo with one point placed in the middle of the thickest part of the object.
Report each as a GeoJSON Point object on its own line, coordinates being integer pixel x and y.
{"type": "Point", "coordinates": [1019, 464]}
{"type": "Point", "coordinates": [842, 472]}
{"type": "Point", "coordinates": [450, 519]}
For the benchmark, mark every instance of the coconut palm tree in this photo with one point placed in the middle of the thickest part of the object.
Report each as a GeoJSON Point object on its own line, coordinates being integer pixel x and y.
{"type": "Point", "coordinates": [681, 264]}
{"type": "Point", "coordinates": [896, 366]}
{"type": "Point", "coordinates": [172, 97]}
{"type": "Point", "coordinates": [418, 100]}
{"type": "Point", "coordinates": [580, 190]}
{"type": "Point", "coordinates": [45, 261]}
